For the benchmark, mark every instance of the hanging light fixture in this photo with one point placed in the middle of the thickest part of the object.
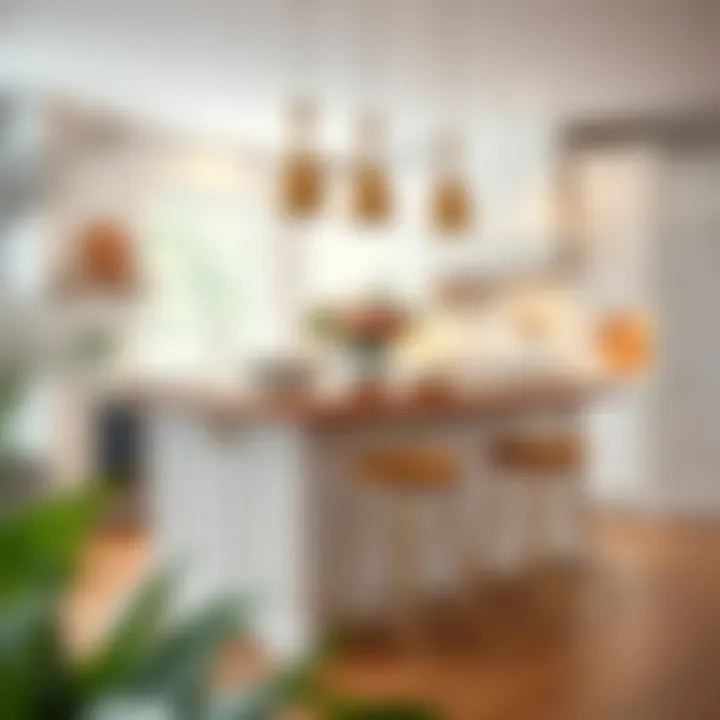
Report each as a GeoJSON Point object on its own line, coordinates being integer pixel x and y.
{"type": "Point", "coordinates": [107, 254]}
{"type": "Point", "coordinates": [302, 179]}
{"type": "Point", "coordinates": [102, 261]}
{"type": "Point", "coordinates": [452, 208]}
{"type": "Point", "coordinates": [371, 197]}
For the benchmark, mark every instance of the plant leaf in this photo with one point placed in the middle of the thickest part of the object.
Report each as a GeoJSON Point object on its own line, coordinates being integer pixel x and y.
{"type": "Point", "coordinates": [131, 640]}
{"type": "Point", "coordinates": [12, 386]}
{"type": "Point", "coordinates": [35, 678]}
{"type": "Point", "coordinates": [40, 543]}
{"type": "Point", "coordinates": [177, 669]}
{"type": "Point", "coordinates": [128, 707]}
{"type": "Point", "coordinates": [295, 685]}
{"type": "Point", "coordinates": [20, 630]}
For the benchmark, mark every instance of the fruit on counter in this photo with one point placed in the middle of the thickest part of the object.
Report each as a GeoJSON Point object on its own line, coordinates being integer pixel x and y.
{"type": "Point", "coordinates": [625, 341]}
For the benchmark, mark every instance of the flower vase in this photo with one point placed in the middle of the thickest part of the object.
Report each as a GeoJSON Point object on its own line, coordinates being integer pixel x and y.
{"type": "Point", "coordinates": [369, 360]}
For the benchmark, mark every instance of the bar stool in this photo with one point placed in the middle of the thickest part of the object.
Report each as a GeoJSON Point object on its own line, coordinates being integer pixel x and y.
{"type": "Point", "coordinates": [401, 476]}
{"type": "Point", "coordinates": [542, 499]}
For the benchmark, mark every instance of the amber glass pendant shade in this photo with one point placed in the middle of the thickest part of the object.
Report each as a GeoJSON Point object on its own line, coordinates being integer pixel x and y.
{"type": "Point", "coordinates": [452, 209]}
{"type": "Point", "coordinates": [625, 342]}
{"type": "Point", "coordinates": [302, 181]}
{"type": "Point", "coordinates": [371, 194]}
{"type": "Point", "coordinates": [371, 197]}
{"type": "Point", "coordinates": [106, 257]}
{"type": "Point", "coordinates": [302, 195]}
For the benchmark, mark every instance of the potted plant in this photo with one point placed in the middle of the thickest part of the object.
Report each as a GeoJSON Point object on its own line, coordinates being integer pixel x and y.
{"type": "Point", "coordinates": [364, 328]}
{"type": "Point", "coordinates": [149, 665]}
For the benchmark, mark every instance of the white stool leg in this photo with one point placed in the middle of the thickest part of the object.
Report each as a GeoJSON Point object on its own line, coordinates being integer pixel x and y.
{"type": "Point", "coordinates": [405, 568]}
{"type": "Point", "coordinates": [512, 516]}
{"type": "Point", "coordinates": [578, 519]}
{"type": "Point", "coordinates": [370, 520]}
{"type": "Point", "coordinates": [460, 548]}
{"type": "Point", "coordinates": [565, 517]}
{"type": "Point", "coordinates": [490, 522]}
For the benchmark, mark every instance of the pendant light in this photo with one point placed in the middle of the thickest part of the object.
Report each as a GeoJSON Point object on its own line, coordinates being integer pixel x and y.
{"type": "Point", "coordinates": [452, 209]}
{"type": "Point", "coordinates": [302, 179]}
{"type": "Point", "coordinates": [102, 261]}
{"type": "Point", "coordinates": [371, 196]}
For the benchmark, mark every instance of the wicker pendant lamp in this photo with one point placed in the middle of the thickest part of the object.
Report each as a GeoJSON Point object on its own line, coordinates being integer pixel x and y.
{"type": "Point", "coordinates": [107, 255]}
{"type": "Point", "coordinates": [371, 195]}
{"type": "Point", "coordinates": [102, 262]}
{"type": "Point", "coordinates": [452, 208]}
{"type": "Point", "coordinates": [302, 176]}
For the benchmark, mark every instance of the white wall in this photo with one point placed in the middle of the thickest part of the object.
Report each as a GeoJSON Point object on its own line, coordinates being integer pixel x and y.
{"type": "Point", "coordinates": [654, 240]}
{"type": "Point", "coordinates": [688, 439]}
{"type": "Point", "coordinates": [232, 64]}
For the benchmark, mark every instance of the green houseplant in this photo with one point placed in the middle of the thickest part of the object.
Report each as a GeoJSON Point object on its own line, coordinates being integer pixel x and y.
{"type": "Point", "coordinates": [149, 666]}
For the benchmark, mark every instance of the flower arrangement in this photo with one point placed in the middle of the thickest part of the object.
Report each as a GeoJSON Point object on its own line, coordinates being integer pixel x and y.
{"type": "Point", "coordinates": [365, 327]}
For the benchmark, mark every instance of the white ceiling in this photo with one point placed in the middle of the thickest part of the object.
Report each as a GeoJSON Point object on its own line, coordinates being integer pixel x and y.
{"type": "Point", "coordinates": [228, 62]}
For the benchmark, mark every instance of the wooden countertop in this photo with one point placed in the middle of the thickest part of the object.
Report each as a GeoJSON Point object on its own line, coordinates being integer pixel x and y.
{"type": "Point", "coordinates": [373, 406]}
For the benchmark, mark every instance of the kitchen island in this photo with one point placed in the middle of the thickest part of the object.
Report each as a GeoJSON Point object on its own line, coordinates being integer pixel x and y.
{"type": "Point", "coordinates": [254, 497]}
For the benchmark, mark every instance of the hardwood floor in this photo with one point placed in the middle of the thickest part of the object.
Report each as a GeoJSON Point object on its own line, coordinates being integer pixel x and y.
{"type": "Point", "coordinates": [112, 566]}
{"type": "Point", "coordinates": [634, 637]}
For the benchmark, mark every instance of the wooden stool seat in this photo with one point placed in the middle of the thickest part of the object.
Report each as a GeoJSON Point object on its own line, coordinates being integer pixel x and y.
{"type": "Point", "coordinates": [538, 454]}
{"type": "Point", "coordinates": [412, 468]}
